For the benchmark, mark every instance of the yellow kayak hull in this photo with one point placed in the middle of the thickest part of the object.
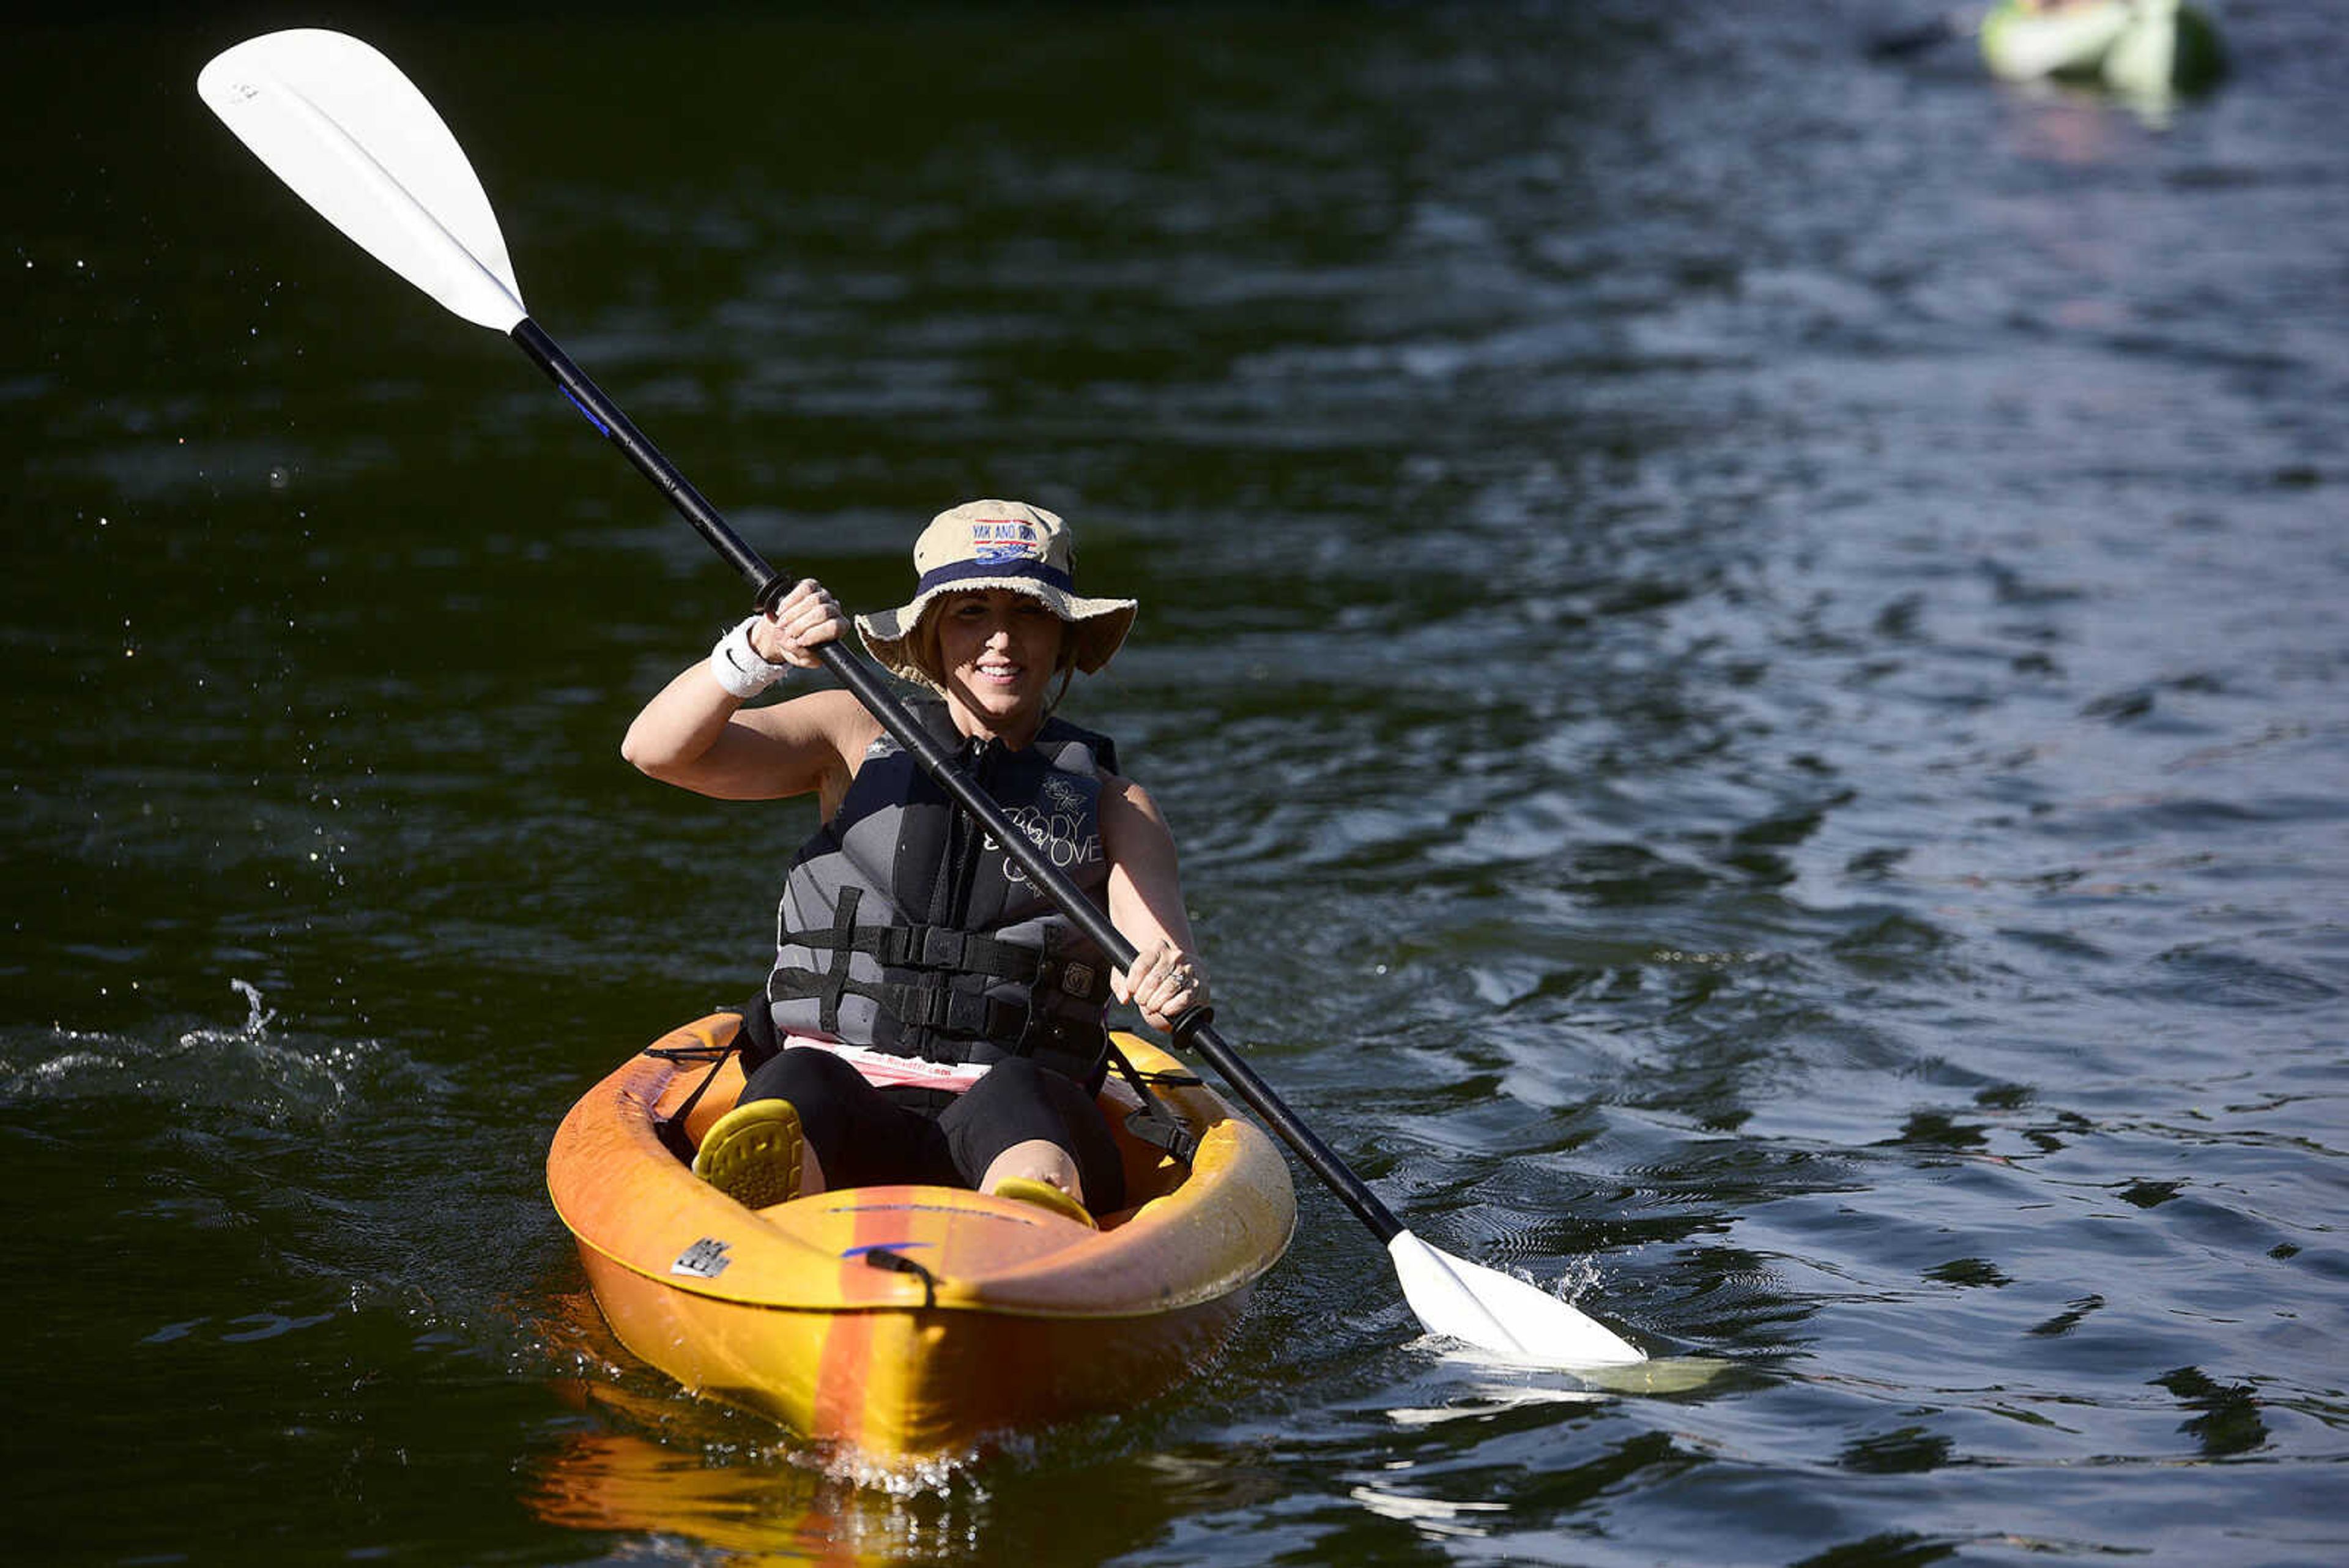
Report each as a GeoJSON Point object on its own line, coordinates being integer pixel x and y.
{"type": "Point", "coordinates": [913, 1320]}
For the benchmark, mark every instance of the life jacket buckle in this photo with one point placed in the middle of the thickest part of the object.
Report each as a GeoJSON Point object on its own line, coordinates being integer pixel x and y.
{"type": "Point", "coordinates": [943, 947]}
{"type": "Point", "coordinates": [897, 946]}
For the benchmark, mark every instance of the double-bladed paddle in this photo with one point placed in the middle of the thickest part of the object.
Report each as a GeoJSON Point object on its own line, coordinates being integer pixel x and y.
{"type": "Point", "coordinates": [354, 138]}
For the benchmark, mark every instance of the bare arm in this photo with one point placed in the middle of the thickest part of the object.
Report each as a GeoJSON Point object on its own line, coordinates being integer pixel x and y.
{"type": "Point", "coordinates": [698, 735]}
{"type": "Point", "coordinates": [1145, 904]}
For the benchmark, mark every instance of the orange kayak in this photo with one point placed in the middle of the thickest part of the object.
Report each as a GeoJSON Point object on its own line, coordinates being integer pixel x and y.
{"type": "Point", "coordinates": [914, 1320]}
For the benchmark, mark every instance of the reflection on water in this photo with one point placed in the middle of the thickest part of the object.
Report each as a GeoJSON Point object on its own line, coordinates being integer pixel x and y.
{"type": "Point", "coordinates": [758, 1504]}
{"type": "Point", "coordinates": [646, 1464]}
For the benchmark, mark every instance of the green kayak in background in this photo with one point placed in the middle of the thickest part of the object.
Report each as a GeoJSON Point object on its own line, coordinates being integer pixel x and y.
{"type": "Point", "coordinates": [2143, 48]}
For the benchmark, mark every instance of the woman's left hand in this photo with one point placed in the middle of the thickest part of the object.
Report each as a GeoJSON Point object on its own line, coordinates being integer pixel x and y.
{"type": "Point", "coordinates": [1164, 983]}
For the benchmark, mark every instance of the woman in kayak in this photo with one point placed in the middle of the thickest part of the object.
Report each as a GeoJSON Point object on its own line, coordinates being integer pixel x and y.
{"type": "Point", "coordinates": [937, 1020]}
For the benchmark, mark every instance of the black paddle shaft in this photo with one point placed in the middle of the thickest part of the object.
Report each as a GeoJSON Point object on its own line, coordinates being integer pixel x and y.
{"type": "Point", "coordinates": [1194, 1029]}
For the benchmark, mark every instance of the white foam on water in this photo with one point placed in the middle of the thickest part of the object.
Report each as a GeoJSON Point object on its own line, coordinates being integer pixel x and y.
{"type": "Point", "coordinates": [246, 1073]}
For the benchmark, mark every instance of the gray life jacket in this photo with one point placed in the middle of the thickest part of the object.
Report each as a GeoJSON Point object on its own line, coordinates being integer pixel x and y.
{"type": "Point", "coordinates": [904, 926]}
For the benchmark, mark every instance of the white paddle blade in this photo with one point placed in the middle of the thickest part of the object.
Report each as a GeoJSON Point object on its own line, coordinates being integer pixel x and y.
{"type": "Point", "coordinates": [355, 139]}
{"type": "Point", "coordinates": [1499, 1313]}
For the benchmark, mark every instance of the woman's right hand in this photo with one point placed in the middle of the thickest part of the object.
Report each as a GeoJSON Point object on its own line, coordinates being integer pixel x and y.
{"type": "Point", "coordinates": [803, 621]}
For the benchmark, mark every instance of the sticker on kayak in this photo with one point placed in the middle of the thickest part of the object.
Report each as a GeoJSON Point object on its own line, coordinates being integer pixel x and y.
{"type": "Point", "coordinates": [705, 1259]}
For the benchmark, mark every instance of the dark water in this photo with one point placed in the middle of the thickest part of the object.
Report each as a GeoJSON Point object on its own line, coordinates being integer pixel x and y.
{"type": "Point", "coordinates": [1744, 641]}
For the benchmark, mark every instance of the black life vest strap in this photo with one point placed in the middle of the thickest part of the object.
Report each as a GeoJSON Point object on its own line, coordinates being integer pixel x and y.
{"type": "Point", "coordinates": [945, 949]}
{"type": "Point", "coordinates": [835, 980]}
{"type": "Point", "coordinates": [928, 1006]}
{"type": "Point", "coordinates": [955, 1018]}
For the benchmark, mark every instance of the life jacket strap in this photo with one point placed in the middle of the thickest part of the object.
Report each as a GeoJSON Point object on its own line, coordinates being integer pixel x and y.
{"type": "Point", "coordinates": [836, 980]}
{"type": "Point", "coordinates": [953, 1022]}
{"type": "Point", "coordinates": [945, 949]}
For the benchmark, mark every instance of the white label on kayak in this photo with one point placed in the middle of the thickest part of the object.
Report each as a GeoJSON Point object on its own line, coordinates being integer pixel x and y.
{"type": "Point", "coordinates": [705, 1259]}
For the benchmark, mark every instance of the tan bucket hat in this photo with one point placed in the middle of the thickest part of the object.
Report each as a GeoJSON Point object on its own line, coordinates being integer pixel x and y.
{"type": "Point", "coordinates": [998, 544]}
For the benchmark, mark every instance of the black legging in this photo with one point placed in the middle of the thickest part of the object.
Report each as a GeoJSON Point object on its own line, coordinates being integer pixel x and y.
{"type": "Point", "coordinates": [868, 1136]}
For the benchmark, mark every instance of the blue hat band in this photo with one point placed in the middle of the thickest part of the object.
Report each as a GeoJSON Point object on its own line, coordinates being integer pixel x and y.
{"type": "Point", "coordinates": [966, 571]}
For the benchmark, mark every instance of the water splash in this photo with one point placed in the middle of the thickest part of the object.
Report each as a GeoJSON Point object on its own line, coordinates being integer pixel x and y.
{"type": "Point", "coordinates": [240, 1075]}
{"type": "Point", "coordinates": [260, 1016]}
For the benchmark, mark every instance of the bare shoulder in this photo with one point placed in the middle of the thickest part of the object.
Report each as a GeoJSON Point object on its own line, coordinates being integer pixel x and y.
{"type": "Point", "coordinates": [1128, 793]}
{"type": "Point", "coordinates": [1129, 817]}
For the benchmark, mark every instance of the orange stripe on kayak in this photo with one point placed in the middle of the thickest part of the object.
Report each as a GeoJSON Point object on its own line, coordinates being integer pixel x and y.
{"type": "Point", "coordinates": [841, 1393]}
{"type": "Point", "coordinates": [840, 1380]}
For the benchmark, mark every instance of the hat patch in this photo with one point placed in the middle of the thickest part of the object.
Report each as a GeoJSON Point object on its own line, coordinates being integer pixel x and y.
{"type": "Point", "coordinates": [995, 540]}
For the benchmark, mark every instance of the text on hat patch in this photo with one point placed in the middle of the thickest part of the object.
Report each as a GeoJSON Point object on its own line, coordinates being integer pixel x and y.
{"type": "Point", "coordinates": [997, 539]}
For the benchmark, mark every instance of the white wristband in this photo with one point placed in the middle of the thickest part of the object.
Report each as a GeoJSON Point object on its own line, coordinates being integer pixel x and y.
{"type": "Point", "coordinates": [738, 665]}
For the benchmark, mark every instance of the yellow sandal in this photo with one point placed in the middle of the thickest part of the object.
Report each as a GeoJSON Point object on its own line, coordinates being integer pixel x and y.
{"type": "Point", "coordinates": [1044, 1195]}
{"type": "Point", "coordinates": [753, 1154]}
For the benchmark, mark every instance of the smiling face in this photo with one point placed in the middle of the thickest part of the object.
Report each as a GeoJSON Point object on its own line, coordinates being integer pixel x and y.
{"type": "Point", "coordinates": [1000, 651]}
